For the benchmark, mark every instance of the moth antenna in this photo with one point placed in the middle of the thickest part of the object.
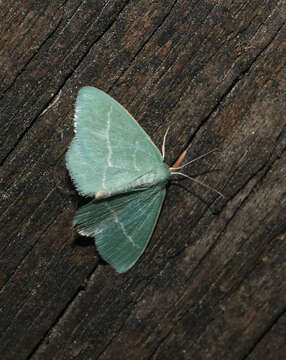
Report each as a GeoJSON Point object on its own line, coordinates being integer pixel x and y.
{"type": "Point", "coordinates": [164, 142]}
{"type": "Point", "coordinates": [199, 182]}
{"type": "Point", "coordinates": [179, 161]}
{"type": "Point", "coordinates": [190, 162]}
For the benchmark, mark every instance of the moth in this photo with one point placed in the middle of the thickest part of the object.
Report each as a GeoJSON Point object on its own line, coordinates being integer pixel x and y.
{"type": "Point", "coordinates": [114, 162]}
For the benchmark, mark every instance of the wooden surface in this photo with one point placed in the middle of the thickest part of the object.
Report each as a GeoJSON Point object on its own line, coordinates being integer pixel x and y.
{"type": "Point", "coordinates": [211, 284]}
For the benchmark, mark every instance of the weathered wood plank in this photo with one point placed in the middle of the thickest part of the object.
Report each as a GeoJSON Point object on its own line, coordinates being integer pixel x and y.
{"type": "Point", "coordinates": [212, 282]}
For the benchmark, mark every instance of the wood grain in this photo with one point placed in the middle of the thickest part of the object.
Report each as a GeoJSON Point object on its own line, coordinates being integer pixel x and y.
{"type": "Point", "coordinates": [211, 284]}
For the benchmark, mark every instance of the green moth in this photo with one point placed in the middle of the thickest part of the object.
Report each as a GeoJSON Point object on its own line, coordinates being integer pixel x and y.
{"type": "Point", "coordinates": [112, 160]}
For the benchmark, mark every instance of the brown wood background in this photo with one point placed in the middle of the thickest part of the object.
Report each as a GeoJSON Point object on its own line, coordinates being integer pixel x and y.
{"type": "Point", "coordinates": [211, 284]}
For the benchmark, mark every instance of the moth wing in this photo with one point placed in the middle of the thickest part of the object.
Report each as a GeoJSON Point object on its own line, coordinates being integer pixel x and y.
{"type": "Point", "coordinates": [79, 169]}
{"type": "Point", "coordinates": [122, 226]}
{"type": "Point", "coordinates": [111, 142]}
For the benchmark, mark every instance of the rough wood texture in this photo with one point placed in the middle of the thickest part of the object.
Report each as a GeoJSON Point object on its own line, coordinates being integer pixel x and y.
{"type": "Point", "coordinates": [212, 283]}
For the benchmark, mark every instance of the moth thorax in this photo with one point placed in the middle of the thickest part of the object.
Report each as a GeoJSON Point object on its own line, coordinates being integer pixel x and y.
{"type": "Point", "coordinates": [154, 177]}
